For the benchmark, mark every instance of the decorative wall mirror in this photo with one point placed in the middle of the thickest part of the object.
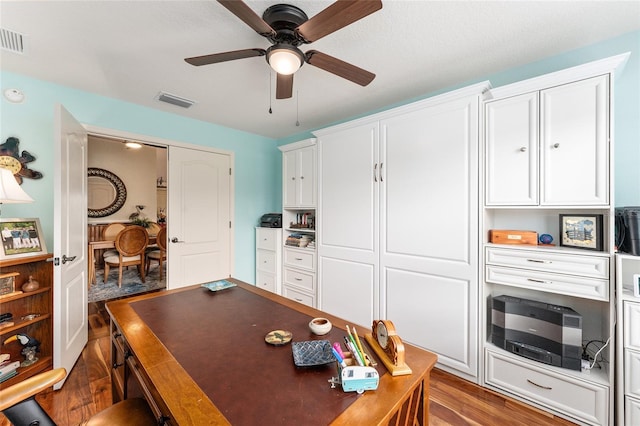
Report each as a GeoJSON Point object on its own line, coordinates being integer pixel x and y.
{"type": "Point", "coordinates": [106, 192]}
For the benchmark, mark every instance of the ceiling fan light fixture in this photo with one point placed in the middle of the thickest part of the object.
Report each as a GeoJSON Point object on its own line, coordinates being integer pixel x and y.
{"type": "Point", "coordinates": [285, 59]}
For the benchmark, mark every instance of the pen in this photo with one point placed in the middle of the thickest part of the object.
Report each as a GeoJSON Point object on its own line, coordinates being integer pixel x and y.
{"type": "Point", "coordinates": [355, 346]}
{"type": "Point", "coordinates": [359, 345]}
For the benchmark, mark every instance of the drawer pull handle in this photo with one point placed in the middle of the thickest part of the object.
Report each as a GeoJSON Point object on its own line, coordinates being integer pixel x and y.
{"type": "Point", "coordinates": [299, 300]}
{"type": "Point", "coordinates": [540, 386]}
{"type": "Point", "coordinates": [298, 258]}
{"type": "Point", "coordinates": [539, 261]}
{"type": "Point", "coordinates": [539, 281]}
{"type": "Point", "coordinates": [298, 279]}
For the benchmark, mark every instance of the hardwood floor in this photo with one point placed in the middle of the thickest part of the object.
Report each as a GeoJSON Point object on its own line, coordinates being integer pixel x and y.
{"type": "Point", "coordinates": [453, 401]}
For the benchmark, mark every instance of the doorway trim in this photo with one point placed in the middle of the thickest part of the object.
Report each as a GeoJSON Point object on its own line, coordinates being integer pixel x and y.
{"type": "Point", "coordinates": [108, 133]}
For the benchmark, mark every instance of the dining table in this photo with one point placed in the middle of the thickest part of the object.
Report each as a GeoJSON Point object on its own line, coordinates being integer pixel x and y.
{"type": "Point", "coordinates": [100, 245]}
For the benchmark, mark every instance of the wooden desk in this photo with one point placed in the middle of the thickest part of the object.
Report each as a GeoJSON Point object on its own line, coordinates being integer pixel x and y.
{"type": "Point", "coordinates": [100, 245]}
{"type": "Point", "coordinates": [144, 363]}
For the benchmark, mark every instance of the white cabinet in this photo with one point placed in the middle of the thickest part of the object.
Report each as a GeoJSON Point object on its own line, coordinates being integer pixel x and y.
{"type": "Point", "coordinates": [567, 163]}
{"type": "Point", "coordinates": [299, 188]}
{"type": "Point", "coordinates": [299, 176]}
{"type": "Point", "coordinates": [269, 259]}
{"type": "Point", "coordinates": [548, 152]}
{"type": "Point", "coordinates": [397, 211]}
{"type": "Point", "coordinates": [628, 349]}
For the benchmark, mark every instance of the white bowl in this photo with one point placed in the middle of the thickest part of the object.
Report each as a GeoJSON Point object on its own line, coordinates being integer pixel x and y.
{"type": "Point", "coordinates": [320, 326]}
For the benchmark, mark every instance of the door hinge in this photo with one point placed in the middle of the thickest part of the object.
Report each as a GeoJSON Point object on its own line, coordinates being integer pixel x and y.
{"type": "Point", "coordinates": [229, 171]}
{"type": "Point", "coordinates": [229, 224]}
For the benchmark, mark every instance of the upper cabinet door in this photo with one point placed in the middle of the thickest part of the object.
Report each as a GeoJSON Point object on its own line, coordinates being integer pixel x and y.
{"type": "Point", "coordinates": [290, 175]}
{"type": "Point", "coordinates": [307, 177]}
{"type": "Point", "coordinates": [299, 166]}
{"type": "Point", "coordinates": [512, 151]}
{"type": "Point", "coordinates": [574, 143]}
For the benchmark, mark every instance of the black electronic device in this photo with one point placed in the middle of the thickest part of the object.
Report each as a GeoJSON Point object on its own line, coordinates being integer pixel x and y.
{"type": "Point", "coordinates": [271, 220]}
{"type": "Point", "coordinates": [547, 333]}
{"type": "Point", "coordinates": [628, 229]}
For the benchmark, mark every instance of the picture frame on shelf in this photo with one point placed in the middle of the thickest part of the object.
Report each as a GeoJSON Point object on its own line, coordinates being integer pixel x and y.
{"type": "Point", "coordinates": [583, 231]}
{"type": "Point", "coordinates": [21, 238]}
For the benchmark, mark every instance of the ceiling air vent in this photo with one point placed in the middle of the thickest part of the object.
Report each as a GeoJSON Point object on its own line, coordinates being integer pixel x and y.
{"type": "Point", "coordinates": [12, 41]}
{"type": "Point", "coordinates": [175, 100]}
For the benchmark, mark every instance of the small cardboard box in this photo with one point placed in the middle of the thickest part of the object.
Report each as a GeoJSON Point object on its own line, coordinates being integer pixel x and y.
{"type": "Point", "coordinates": [499, 236]}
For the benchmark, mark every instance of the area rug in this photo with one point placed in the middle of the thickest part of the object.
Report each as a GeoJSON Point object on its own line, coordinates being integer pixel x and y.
{"type": "Point", "coordinates": [131, 284]}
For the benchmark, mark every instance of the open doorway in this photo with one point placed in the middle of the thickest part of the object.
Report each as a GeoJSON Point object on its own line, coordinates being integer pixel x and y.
{"type": "Point", "coordinates": [126, 185]}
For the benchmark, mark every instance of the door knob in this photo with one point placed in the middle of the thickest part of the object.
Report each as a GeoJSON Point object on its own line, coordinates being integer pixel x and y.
{"type": "Point", "coordinates": [176, 240]}
{"type": "Point", "coordinates": [66, 259]}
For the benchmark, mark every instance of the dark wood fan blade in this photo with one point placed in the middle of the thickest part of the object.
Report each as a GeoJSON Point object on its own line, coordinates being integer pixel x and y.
{"type": "Point", "coordinates": [284, 86]}
{"type": "Point", "coordinates": [339, 68]}
{"type": "Point", "coordinates": [338, 15]}
{"type": "Point", "coordinates": [225, 56]}
{"type": "Point", "coordinates": [248, 16]}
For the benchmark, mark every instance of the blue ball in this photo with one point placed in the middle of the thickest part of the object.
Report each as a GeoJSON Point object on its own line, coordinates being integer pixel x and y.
{"type": "Point", "coordinates": [545, 239]}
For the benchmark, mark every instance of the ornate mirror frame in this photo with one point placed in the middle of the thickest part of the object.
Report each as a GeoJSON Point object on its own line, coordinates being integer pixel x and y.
{"type": "Point", "coordinates": [120, 190]}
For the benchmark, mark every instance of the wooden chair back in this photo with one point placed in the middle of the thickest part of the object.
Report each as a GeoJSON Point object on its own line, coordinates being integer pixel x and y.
{"type": "Point", "coordinates": [161, 238]}
{"type": "Point", "coordinates": [132, 241]}
{"type": "Point", "coordinates": [110, 232]}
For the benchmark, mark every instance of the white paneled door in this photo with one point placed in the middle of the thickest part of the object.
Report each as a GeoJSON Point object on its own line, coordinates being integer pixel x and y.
{"type": "Point", "coordinates": [198, 217]}
{"type": "Point", "coordinates": [70, 329]}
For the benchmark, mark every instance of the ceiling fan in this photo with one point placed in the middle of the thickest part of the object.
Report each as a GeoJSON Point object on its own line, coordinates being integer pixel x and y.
{"type": "Point", "coordinates": [287, 27]}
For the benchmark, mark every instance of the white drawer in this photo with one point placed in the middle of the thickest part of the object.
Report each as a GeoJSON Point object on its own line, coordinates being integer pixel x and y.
{"type": "Point", "coordinates": [298, 296]}
{"type": "Point", "coordinates": [585, 401]}
{"type": "Point", "coordinates": [266, 261]}
{"type": "Point", "coordinates": [266, 281]}
{"type": "Point", "coordinates": [267, 238]}
{"type": "Point", "coordinates": [555, 283]}
{"type": "Point", "coordinates": [300, 259]}
{"type": "Point", "coordinates": [632, 373]}
{"type": "Point", "coordinates": [573, 264]}
{"type": "Point", "coordinates": [300, 279]}
{"type": "Point", "coordinates": [632, 334]}
{"type": "Point", "coordinates": [631, 412]}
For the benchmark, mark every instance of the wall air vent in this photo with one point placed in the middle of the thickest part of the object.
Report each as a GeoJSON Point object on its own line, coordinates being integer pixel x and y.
{"type": "Point", "coordinates": [12, 41]}
{"type": "Point", "coordinates": [174, 100]}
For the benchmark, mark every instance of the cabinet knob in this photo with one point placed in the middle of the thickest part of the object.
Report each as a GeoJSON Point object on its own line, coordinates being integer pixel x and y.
{"type": "Point", "coordinates": [523, 149]}
{"type": "Point", "coordinates": [301, 177]}
{"type": "Point", "coordinates": [556, 145]}
{"type": "Point", "coordinates": [293, 178]}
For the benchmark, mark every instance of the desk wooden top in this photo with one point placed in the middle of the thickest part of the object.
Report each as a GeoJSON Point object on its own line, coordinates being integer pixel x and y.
{"type": "Point", "coordinates": [187, 403]}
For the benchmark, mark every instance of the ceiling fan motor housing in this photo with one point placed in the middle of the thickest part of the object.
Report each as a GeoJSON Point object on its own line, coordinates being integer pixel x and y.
{"type": "Point", "coordinates": [284, 19]}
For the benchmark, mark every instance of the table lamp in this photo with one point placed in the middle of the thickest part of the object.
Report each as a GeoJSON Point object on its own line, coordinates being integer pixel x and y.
{"type": "Point", "coordinates": [10, 190]}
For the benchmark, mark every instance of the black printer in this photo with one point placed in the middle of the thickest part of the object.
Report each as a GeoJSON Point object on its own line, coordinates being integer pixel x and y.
{"type": "Point", "coordinates": [271, 220]}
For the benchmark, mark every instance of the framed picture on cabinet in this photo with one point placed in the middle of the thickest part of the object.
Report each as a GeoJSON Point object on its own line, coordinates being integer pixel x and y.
{"type": "Point", "coordinates": [21, 238]}
{"type": "Point", "coordinates": [581, 231]}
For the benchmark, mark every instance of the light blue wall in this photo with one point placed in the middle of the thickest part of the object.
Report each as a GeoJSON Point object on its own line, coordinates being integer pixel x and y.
{"type": "Point", "coordinates": [626, 104]}
{"type": "Point", "coordinates": [257, 160]}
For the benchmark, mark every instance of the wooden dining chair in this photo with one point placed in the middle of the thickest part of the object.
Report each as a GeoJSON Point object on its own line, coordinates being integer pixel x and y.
{"type": "Point", "coordinates": [18, 404]}
{"type": "Point", "coordinates": [159, 255]}
{"type": "Point", "coordinates": [109, 233]}
{"type": "Point", "coordinates": [131, 243]}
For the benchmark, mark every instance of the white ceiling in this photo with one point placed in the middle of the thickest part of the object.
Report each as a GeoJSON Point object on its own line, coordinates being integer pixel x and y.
{"type": "Point", "coordinates": [131, 50]}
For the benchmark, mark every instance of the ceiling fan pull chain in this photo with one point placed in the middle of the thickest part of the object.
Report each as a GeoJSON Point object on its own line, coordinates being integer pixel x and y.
{"type": "Point", "coordinates": [270, 78]}
{"type": "Point", "coordinates": [297, 109]}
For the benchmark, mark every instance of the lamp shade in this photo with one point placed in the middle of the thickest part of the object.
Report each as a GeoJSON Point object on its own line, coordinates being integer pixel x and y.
{"type": "Point", "coordinates": [10, 191]}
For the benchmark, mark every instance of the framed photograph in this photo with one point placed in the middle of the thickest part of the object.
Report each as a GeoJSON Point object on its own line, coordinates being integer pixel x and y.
{"type": "Point", "coordinates": [581, 231]}
{"type": "Point", "coordinates": [21, 238]}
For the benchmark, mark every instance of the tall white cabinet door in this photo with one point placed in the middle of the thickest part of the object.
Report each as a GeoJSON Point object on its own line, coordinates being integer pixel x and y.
{"type": "Point", "coordinates": [512, 151]}
{"type": "Point", "coordinates": [575, 143]}
{"type": "Point", "coordinates": [348, 222]}
{"type": "Point", "coordinates": [429, 229]}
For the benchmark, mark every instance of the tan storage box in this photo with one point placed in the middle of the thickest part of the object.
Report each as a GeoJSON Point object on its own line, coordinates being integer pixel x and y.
{"type": "Point", "coordinates": [499, 236]}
